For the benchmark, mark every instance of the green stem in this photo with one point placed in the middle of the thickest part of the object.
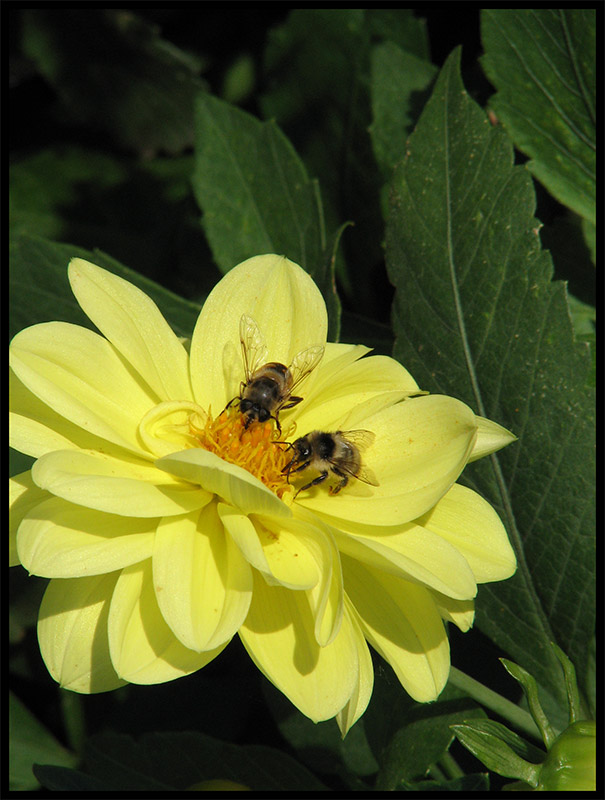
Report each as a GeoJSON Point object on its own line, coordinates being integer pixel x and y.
{"type": "Point", "coordinates": [517, 717]}
{"type": "Point", "coordinates": [450, 766]}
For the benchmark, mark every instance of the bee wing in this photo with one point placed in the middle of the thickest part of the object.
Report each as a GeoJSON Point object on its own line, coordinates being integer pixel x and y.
{"type": "Point", "coordinates": [254, 349]}
{"type": "Point", "coordinates": [303, 363]}
{"type": "Point", "coordinates": [364, 473]}
{"type": "Point", "coordinates": [361, 439]}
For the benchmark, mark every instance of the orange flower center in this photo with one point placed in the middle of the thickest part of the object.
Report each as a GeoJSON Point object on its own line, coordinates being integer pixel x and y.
{"type": "Point", "coordinates": [256, 448]}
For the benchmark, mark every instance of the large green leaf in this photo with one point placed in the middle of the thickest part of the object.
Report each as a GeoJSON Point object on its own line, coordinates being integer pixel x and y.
{"type": "Point", "coordinates": [253, 189]}
{"type": "Point", "coordinates": [476, 315]}
{"type": "Point", "coordinates": [256, 196]}
{"type": "Point", "coordinates": [400, 84]}
{"type": "Point", "coordinates": [542, 62]}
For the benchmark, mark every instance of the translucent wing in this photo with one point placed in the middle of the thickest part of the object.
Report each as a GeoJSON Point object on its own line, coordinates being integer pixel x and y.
{"type": "Point", "coordinates": [303, 363]}
{"type": "Point", "coordinates": [362, 440]}
{"type": "Point", "coordinates": [254, 349]}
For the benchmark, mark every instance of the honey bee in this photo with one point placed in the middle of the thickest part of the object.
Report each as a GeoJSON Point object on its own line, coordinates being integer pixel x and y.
{"type": "Point", "coordinates": [268, 388]}
{"type": "Point", "coordinates": [338, 453]}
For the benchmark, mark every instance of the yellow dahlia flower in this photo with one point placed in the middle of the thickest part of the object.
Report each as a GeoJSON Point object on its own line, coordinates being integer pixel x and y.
{"type": "Point", "coordinates": [168, 526]}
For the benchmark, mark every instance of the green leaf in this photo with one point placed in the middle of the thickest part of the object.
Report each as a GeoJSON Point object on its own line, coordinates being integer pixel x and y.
{"type": "Point", "coordinates": [400, 85]}
{"type": "Point", "coordinates": [489, 744]}
{"type": "Point", "coordinates": [422, 739]}
{"type": "Point", "coordinates": [542, 62]}
{"type": "Point", "coordinates": [530, 690]}
{"type": "Point", "coordinates": [113, 72]}
{"type": "Point", "coordinates": [253, 189]}
{"type": "Point", "coordinates": [39, 290]}
{"type": "Point", "coordinates": [30, 742]}
{"type": "Point", "coordinates": [522, 748]}
{"type": "Point", "coordinates": [177, 761]}
{"type": "Point", "coordinates": [477, 316]}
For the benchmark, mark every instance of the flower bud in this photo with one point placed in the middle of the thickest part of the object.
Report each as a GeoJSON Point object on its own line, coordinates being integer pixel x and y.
{"type": "Point", "coordinates": [570, 764]}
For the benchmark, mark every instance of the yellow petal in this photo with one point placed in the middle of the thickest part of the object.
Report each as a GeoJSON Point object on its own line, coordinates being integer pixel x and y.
{"type": "Point", "coordinates": [472, 526]}
{"type": "Point", "coordinates": [279, 637]}
{"type": "Point", "coordinates": [460, 612]}
{"type": "Point", "coordinates": [360, 698]}
{"type": "Point", "coordinates": [24, 495]}
{"type": "Point", "coordinates": [272, 549]}
{"type": "Point", "coordinates": [310, 549]}
{"type": "Point", "coordinates": [35, 429]}
{"type": "Point", "coordinates": [490, 438]}
{"type": "Point", "coordinates": [72, 633]}
{"type": "Point", "coordinates": [132, 488]}
{"type": "Point", "coordinates": [289, 551]}
{"type": "Point", "coordinates": [421, 446]}
{"type": "Point", "coordinates": [400, 620]}
{"type": "Point", "coordinates": [283, 300]}
{"type": "Point", "coordinates": [59, 540]}
{"type": "Point", "coordinates": [143, 648]}
{"type": "Point", "coordinates": [340, 388]}
{"type": "Point", "coordinates": [243, 532]}
{"type": "Point", "coordinates": [235, 485]}
{"type": "Point", "coordinates": [202, 582]}
{"type": "Point", "coordinates": [133, 323]}
{"type": "Point", "coordinates": [80, 376]}
{"type": "Point", "coordinates": [412, 552]}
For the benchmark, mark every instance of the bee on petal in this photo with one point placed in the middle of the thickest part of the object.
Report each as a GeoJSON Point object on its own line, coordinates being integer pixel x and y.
{"type": "Point", "coordinates": [269, 387]}
{"type": "Point", "coordinates": [335, 454]}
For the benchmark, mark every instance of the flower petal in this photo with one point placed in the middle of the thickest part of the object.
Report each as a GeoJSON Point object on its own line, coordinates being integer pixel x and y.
{"type": "Point", "coordinates": [131, 488]}
{"type": "Point", "coordinates": [233, 484]}
{"type": "Point", "coordinates": [490, 437]}
{"type": "Point", "coordinates": [285, 303]}
{"type": "Point", "coordinates": [421, 446]}
{"type": "Point", "coordinates": [401, 622]}
{"type": "Point", "coordinates": [272, 548]}
{"type": "Point", "coordinates": [133, 323]}
{"type": "Point", "coordinates": [412, 552]}
{"type": "Point", "coordinates": [459, 612]}
{"type": "Point", "coordinates": [24, 495]}
{"type": "Point", "coordinates": [35, 429]}
{"type": "Point", "coordinates": [360, 698]}
{"type": "Point", "coordinates": [143, 648]}
{"type": "Point", "coordinates": [59, 540]}
{"type": "Point", "coordinates": [309, 545]}
{"type": "Point", "coordinates": [338, 389]}
{"type": "Point", "coordinates": [202, 582]}
{"type": "Point", "coordinates": [279, 637]}
{"type": "Point", "coordinates": [80, 376]}
{"type": "Point", "coordinates": [471, 525]}
{"type": "Point", "coordinates": [72, 633]}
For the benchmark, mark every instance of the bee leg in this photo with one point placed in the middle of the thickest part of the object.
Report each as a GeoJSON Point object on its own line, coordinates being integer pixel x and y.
{"type": "Point", "coordinates": [344, 479]}
{"type": "Point", "coordinates": [230, 403]}
{"type": "Point", "coordinates": [319, 479]}
{"type": "Point", "coordinates": [292, 401]}
{"type": "Point", "coordinates": [300, 467]}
